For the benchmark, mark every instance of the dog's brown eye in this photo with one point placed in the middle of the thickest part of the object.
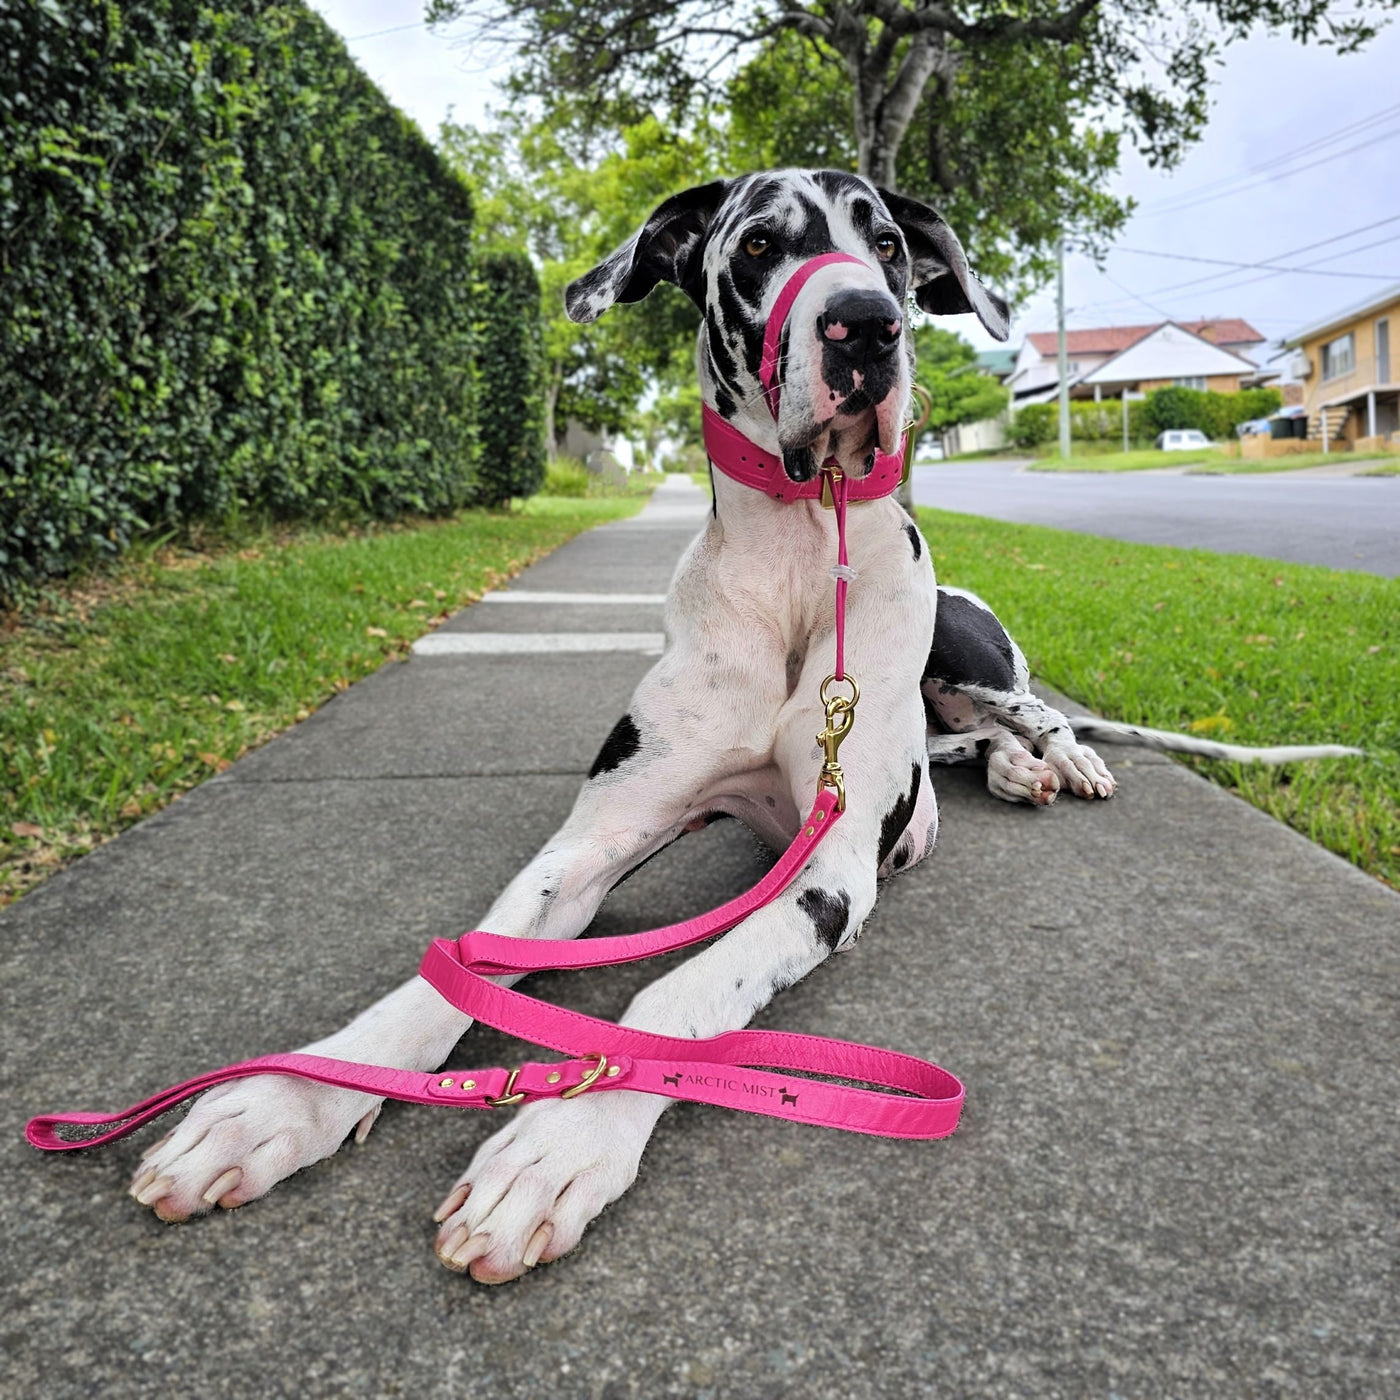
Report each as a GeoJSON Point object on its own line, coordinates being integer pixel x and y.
{"type": "Point", "coordinates": [886, 247]}
{"type": "Point", "coordinates": [756, 246]}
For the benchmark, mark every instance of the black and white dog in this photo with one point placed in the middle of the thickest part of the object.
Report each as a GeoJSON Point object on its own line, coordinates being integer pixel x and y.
{"type": "Point", "coordinates": [723, 723]}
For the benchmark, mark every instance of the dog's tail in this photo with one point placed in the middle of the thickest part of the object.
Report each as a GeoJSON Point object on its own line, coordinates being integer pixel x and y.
{"type": "Point", "coordinates": [1164, 741]}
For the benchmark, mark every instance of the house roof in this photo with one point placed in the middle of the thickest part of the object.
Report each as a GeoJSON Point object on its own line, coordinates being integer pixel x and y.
{"type": "Point", "coordinates": [1339, 318]}
{"type": "Point", "coordinates": [1168, 351]}
{"type": "Point", "coordinates": [998, 362]}
{"type": "Point", "coordinates": [1112, 340]}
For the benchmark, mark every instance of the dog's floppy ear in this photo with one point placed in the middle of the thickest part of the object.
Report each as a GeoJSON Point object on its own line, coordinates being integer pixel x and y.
{"type": "Point", "coordinates": [665, 249]}
{"type": "Point", "coordinates": [943, 283]}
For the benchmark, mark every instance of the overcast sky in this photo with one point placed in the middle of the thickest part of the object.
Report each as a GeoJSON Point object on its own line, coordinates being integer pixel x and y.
{"type": "Point", "coordinates": [1274, 98]}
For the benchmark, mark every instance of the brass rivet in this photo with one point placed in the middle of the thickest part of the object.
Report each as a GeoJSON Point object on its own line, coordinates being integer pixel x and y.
{"type": "Point", "coordinates": [811, 831]}
{"type": "Point", "coordinates": [553, 1077]}
{"type": "Point", "coordinates": [614, 1069]}
{"type": "Point", "coordinates": [821, 816]}
{"type": "Point", "coordinates": [445, 1083]}
{"type": "Point", "coordinates": [468, 1084]}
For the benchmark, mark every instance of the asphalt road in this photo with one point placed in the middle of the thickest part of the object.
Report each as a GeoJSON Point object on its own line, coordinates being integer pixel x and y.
{"type": "Point", "coordinates": [1341, 522]}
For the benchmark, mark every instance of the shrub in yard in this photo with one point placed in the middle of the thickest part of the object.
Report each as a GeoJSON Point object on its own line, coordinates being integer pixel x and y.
{"type": "Point", "coordinates": [1216, 415]}
{"type": "Point", "coordinates": [235, 279]}
{"type": "Point", "coordinates": [510, 378]}
{"type": "Point", "coordinates": [566, 476]}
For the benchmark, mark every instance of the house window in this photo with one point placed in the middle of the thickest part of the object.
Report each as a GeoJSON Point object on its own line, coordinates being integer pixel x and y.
{"type": "Point", "coordinates": [1339, 356]}
{"type": "Point", "coordinates": [1192, 381]}
{"type": "Point", "coordinates": [1383, 351]}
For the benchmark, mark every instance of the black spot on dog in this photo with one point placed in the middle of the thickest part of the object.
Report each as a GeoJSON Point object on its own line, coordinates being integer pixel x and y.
{"type": "Point", "coordinates": [982, 746]}
{"type": "Point", "coordinates": [828, 913]}
{"type": "Point", "coordinates": [738, 984]}
{"type": "Point", "coordinates": [970, 647]}
{"type": "Point", "coordinates": [618, 747]}
{"type": "Point", "coordinates": [915, 541]}
{"type": "Point", "coordinates": [896, 820]}
{"type": "Point", "coordinates": [546, 894]}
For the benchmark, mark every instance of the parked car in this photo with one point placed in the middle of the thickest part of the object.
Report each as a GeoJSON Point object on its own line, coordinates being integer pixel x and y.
{"type": "Point", "coordinates": [1182, 440]}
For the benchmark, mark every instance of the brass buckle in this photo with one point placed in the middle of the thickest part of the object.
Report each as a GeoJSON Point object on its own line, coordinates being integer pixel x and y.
{"type": "Point", "coordinates": [829, 475]}
{"type": "Point", "coordinates": [840, 716]}
{"type": "Point", "coordinates": [508, 1097]}
{"type": "Point", "coordinates": [588, 1080]}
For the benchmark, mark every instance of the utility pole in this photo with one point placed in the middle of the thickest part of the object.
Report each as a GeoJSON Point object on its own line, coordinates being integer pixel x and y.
{"type": "Point", "coordinates": [1064, 353]}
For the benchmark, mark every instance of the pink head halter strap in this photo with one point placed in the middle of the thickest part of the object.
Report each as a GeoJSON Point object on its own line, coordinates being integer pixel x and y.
{"type": "Point", "coordinates": [745, 461]}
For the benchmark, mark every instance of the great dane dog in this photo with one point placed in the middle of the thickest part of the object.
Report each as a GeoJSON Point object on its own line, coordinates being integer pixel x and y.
{"type": "Point", "coordinates": [723, 723]}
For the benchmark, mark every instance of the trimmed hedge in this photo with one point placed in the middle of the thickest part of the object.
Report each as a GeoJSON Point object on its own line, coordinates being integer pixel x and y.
{"type": "Point", "coordinates": [233, 278]}
{"type": "Point", "coordinates": [510, 378]}
{"type": "Point", "coordinates": [1216, 415]}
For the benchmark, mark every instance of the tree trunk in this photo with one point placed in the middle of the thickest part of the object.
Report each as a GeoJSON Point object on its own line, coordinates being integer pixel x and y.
{"type": "Point", "coordinates": [885, 106]}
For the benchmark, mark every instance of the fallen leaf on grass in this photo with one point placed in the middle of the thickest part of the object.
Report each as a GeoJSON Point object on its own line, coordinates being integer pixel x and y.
{"type": "Point", "coordinates": [26, 829]}
{"type": "Point", "coordinates": [375, 632]}
{"type": "Point", "coordinates": [215, 761]}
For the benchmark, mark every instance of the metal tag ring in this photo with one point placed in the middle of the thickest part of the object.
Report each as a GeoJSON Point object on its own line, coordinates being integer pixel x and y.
{"type": "Point", "coordinates": [850, 680]}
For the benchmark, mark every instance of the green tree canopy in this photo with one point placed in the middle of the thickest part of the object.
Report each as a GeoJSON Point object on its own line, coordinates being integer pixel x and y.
{"type": "Point", "coordinates": [959, 391]}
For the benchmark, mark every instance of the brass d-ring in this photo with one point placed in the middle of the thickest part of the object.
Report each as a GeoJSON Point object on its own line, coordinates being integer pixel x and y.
{"type": "Point", "coordinates": [507, 1097]}
{"type": "Point", "coordinates": [850, 680]}
{"type": "Point", "coordinates": [589, 1079]}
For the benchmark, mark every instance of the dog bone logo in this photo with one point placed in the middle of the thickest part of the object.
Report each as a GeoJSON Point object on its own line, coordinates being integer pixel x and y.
{"type": "Point", "coordinates": [789, 1099]}
{"type": "Point", "coordinates": [672, 1079]}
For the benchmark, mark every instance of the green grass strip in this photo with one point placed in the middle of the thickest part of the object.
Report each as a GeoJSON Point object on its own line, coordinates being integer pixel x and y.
{"type": "Point", "coordinates": [1227, 646]}
{"type": "Point", "coordinates": [121, 694]}
{"type": "Point", "coordinates": [1201, 461]}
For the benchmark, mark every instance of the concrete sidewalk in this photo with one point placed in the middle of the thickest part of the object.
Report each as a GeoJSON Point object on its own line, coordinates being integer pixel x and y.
{"type": "Point", "coordinates": [1175, 1018]}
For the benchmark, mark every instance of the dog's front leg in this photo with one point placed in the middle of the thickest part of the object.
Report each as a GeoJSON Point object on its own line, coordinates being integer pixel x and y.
{"type": "Point", "coordinates": [240, 1139]}
{"type": "Point", "coordinates": [534, 1187]}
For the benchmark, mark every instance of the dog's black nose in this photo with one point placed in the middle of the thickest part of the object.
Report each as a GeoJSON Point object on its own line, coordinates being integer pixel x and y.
{"type": "Point", "coordinates": [861, 326]}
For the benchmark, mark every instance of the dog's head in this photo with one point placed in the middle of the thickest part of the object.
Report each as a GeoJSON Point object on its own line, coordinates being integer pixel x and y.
{"type": "Point", "coordinates": [844, 364]}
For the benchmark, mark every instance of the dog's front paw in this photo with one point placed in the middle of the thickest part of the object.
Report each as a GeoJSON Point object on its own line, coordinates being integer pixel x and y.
{"type": "Point", "coordinates": [1014, 774]}
{"type": "Point", "coordinates": [239, 1140]}
{"type": "Point", "coordinates": [533, 1188]}
{"type": "Point", "coordinates": [1081, 770]}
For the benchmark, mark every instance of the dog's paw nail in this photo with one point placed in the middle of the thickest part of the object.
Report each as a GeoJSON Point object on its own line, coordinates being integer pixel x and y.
{"type": "Point", "coordinates": [1101, 789]}
{"type": "Point", "coordinates": [537, 1244]}
{"type": "Point", "coordinates": [149, 1194]}
{"type": "Point", "coordinates": [366, 1123]}
{"type": "Point", "coordinates": [455, 1199]}
{"type": "Point", "coordinates": [141, 1180]}
{"type": "Point", "coordinates": [223, 1185]}
{"type": "Point", "coordinates": [451, 1242]}
{"type": "Point", "coordinates": [461, 1247]}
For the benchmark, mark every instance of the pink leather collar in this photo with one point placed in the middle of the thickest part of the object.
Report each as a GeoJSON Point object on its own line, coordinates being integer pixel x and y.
{"type": "Point", "coordinates": [744, 461]}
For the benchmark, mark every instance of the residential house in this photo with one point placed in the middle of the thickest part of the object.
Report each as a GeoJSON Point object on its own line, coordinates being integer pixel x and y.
{"type": "Point", "coordinates": [1352, 381]}
{"type": "Point", "coordinates": [1103, 362]}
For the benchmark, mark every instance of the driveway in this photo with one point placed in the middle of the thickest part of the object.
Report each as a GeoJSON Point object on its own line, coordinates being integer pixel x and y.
{"type": "Point", "coordinates": [1344, 523]}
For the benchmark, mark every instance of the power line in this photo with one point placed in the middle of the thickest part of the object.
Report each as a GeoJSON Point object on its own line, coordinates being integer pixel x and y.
{"type": "Point", "coordinates": [1284, 175]}
{"type": "Point", "coordinates": [379, 33]}
{"type": "Point", "coordinates": [1235, 184]}
{"type": "Point", "coordinates": [1288, 253]}
{"type": "Point", "coordinates": [1268, 267]}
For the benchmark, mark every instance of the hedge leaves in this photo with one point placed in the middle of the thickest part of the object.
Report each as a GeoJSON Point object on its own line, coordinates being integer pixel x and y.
{"type": "Point", "coordinates": [233, 279]}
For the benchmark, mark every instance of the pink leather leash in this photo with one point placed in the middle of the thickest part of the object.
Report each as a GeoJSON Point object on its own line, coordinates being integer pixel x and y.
{"type": "Point", "coordinates": [755, 1071]}
{"type": "Point", "coordinates": [742, 1069]}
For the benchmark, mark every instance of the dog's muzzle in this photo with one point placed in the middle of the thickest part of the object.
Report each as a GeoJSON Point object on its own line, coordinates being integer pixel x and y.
{"type": "Point", "coordinates": [750, 465]}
